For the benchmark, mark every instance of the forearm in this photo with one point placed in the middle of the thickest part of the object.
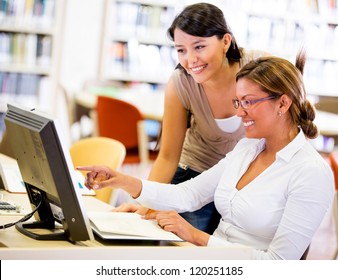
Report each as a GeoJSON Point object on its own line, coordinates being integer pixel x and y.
{"type": "Point", "coordinates": [131, 185]}
{"type": "Point", "coordinates": [163, 170]}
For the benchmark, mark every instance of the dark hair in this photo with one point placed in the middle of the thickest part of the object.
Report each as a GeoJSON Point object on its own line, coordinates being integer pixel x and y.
{"type": "Point", "coordinates": [277, 76]}
{"type": "Point", "coordinates": [205, 20]}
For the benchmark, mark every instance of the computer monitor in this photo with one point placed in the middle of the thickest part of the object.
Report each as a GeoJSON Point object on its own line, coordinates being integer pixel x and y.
{"type": "Point", "coordinates": [49, 176]}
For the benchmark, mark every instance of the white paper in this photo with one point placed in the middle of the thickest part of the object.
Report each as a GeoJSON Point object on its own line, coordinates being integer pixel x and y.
{"type": "Point", "coordinates": [11, 176]}
{"type": "Point", "coordinates": [129, 224]}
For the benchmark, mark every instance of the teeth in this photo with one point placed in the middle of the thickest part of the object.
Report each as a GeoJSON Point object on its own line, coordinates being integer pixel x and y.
{"type": "Point", "coordinates": [196, 69]}
{"type": "Point", "coordinates": [248, 123]}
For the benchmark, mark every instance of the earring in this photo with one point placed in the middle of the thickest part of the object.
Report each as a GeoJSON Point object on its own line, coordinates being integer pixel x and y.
{"type": "Point", "coordinates": [279, 113]}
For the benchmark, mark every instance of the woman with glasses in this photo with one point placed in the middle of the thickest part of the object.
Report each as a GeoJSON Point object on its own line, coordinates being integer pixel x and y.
{"type": "Point", "coordinates": [199, 124]}
{"type": "Point", "coordinates": [272, 190]}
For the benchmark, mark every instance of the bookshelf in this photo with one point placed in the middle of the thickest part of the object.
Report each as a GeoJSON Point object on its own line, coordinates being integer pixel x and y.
{"type": "Point", "coordinates": [30, 40]}
{"type": "Point", "coordinates": [135, 47]}
{"type": "Point", "coordinates": [282, 27]}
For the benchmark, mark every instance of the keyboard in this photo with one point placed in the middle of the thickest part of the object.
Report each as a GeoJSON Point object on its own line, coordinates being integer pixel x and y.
{"type": "Point", "coordinates": [10, 208]}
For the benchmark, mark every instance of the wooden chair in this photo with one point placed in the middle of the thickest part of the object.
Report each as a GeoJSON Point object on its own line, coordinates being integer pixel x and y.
{"type": "Point", "coordinates": [98, 151]}
{"type": "Point", "coordinates": [124, 122]}
{"type": "Point", "coordinates": [333, 157]}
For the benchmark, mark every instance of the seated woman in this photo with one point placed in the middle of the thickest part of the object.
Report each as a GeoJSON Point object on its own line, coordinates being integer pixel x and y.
{"type": "Point", "coordinates": [272, 190]}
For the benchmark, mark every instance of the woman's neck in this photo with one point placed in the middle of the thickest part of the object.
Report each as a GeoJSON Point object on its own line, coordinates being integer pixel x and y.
{"type": "Point", "coordinates": [223, 79]}
{"type": "Point", "coordinates": [281, 140]}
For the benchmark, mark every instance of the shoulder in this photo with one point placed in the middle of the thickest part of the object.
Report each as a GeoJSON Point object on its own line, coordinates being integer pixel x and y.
{"type": "Point", "coordinates": [311, 173]}
{"type": "Point", "coordinates": [184, 83]}
{"type": "Point", "coordinates": [312, 160]}
{"type": "Point", "coordinates": [248, 55]}
{"type": "Point", "coordinates": [180, 75]}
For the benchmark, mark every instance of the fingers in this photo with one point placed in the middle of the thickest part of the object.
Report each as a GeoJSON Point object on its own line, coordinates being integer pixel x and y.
{"type": "Point", "coordinates": [97, 176]}
{"type": "Point", "coordinates": [87, 168]}
{"type": "Point", "coordinates": [127, 207]}
{"type": "Point", "coordinates": [165, 219]}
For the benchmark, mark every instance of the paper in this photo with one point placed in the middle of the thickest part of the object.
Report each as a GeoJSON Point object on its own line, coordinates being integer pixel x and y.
{"type": "Point", "coordinates": [129, 224]}
{"type": "Point", "coordinates": [11, 175]}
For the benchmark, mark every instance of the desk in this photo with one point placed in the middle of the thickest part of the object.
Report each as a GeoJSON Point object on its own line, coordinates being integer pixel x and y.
{"type": "Point", "coordinates": [327, 123]}
{"type": "Point", "coordinates": [151, 104]}
{"type": "Point", "coordinates": [14, 245]}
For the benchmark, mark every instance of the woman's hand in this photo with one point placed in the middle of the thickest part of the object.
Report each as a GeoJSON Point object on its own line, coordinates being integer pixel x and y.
{"type": "Point", "coordinates": [129, 207]}
{"type": "Point", "coordinates": [99, 177]}
{"type": "Point", "coordinates": [173, 222]}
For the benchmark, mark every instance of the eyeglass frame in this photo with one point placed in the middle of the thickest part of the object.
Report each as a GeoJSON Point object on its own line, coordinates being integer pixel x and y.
{"type": "Point", "coordinates": [239, 103]}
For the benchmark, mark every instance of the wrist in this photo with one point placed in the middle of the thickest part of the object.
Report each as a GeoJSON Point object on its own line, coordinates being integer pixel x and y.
{"type": "Point", "coordinates": [200, 238]}
{"type": "Point", "coordinates": [135, 187]}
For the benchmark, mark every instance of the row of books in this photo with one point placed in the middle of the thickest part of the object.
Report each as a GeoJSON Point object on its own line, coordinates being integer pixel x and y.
{"type": "Point", "coordinates": [29, 90]}
{"type": "Point", "coordinates": [25, 49]}
{"type": "Point", "coordinates": [317, 7]}
{"type": "Point", "coordinates": [27, 12]}
{"type": "Point", "coordinates": [19, 84]}
{"type": "Point", "coordinates": [141, 18]}
{"type": "Point", "coordinates": [140, 59]}
{"type": "Point", "coordinates": [278, 34]}
{"type": "Point", "coordinates": [294, 7]}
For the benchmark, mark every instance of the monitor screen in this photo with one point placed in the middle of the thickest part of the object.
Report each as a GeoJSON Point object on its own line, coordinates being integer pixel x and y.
{"type": "Point", "coordinates": [49, 176]}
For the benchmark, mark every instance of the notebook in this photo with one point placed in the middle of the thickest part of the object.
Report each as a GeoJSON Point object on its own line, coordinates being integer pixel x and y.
{"type": "Point", "coordinates": [127, 226]}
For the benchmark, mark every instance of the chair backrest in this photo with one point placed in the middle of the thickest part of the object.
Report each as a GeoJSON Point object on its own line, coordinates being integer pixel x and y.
{"type": "Point", "coordinates": [98, 151]}
{"type": "Point", "coordinates": [124, 122]}
{"type": "Point", "coordinates": [118, 119]}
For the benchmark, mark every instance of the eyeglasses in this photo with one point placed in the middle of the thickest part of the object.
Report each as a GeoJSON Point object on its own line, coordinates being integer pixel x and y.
{"type": "Point", "coordinates": [246, 104]}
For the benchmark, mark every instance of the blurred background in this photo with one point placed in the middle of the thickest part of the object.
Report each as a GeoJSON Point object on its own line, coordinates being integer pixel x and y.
{"type": "Point", "coordinates": [57, 55]}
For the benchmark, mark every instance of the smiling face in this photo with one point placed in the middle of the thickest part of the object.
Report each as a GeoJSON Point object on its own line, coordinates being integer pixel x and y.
{"type": "Point", "coordinates": [201, 57]}
{"type": "Point", "coordinates": [260, 119]}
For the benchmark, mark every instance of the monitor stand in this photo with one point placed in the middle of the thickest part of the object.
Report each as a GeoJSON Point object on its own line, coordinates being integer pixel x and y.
{"type": "Point", "coordinates": [59, 233]}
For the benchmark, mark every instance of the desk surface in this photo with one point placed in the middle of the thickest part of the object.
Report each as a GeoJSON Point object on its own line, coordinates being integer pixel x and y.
{"type": "Point", "coordinates": [327, 123]}
{"type": "Point", "coordinates": [14, 245]}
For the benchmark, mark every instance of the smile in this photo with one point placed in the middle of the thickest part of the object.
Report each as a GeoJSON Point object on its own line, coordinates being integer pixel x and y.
{"type": "Point", "coordinates": [198, 69]}
{"type": "Point", "coordinates": [246, 124]}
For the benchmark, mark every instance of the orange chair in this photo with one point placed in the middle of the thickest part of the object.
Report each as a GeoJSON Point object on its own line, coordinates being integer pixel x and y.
{"type": "Point", "coordinates": [333, 157]}
{"type": "Point", "coordinates": [124, 122]}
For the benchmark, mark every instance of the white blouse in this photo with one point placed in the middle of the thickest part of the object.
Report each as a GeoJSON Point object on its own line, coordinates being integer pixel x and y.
{"type": "Point", "coordinates": [276, 214]}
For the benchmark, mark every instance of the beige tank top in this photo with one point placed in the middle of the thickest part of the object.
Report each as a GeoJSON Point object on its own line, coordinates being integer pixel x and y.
{"type": "Point", "coordinates": [205, 143]}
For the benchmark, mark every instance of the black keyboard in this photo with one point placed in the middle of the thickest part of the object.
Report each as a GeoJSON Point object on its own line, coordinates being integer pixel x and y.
{"type": "Point", "coordinates": [9, 207]}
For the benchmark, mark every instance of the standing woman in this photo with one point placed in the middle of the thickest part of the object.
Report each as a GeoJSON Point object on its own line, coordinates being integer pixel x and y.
{"type": "Point", "coordinates": [200, 124]}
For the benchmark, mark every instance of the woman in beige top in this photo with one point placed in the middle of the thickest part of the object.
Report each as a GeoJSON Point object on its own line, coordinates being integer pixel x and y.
{"type": "Point", "coordinates": [199, 124]}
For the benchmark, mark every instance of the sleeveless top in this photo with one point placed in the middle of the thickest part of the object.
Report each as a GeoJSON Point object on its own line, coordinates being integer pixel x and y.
{"type": "Point", "coordinates": [205, 143]}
